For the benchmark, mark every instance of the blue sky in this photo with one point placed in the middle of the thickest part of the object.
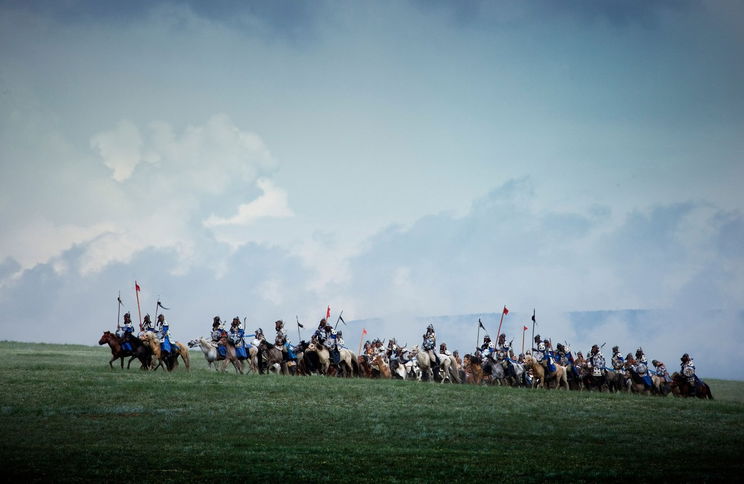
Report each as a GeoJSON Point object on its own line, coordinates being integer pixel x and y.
{"type": "Point", "coordinates": [394, 159]}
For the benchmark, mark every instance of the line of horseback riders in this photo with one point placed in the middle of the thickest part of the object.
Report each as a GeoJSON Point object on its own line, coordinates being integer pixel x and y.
{"type": "Point", "coordinates": [326, 353]}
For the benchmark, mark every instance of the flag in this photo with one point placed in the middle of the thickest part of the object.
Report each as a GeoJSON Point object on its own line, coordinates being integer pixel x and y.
{"type": "Point", "coordinates": [118, 298]}
{"type": "Point", "coordinates": [298, 324]}
{"type": "Point", "coordinates": [342, 319]}
{"type": "Point", "coordinates": [160, 305]}
{"type": "Point", "coordinates": [481, 325]}
{"type": "Point", "coordinates": [533, 316]}
{"type": "Point", "coordinates": [328, 313]}
{"type": "Point", "coordinates": [506, 311]}
{"type": "Point", "coordinates": [136, 286]}
{"type": "Point", "coordinates": [364, 331]}
{"type": "Point", "coordinates": [524, 328]}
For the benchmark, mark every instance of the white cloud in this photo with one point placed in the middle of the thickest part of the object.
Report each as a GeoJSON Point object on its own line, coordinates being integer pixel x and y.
{"type": "Point", "coordinates": [271, 204]}
{"type": "Point", "coordinates": [120, 149]}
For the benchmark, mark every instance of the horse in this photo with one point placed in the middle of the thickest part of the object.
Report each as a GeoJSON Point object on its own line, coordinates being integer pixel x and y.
{"type": "Point", "coordinates": [324, 357]}
{"type": "Point", "coordinates": [365, 367]}
{"type": "Point", "coordinates": [449, 369]}
{"type": "Point", "coordinates": [180, 349]}
{"type": "Point", "coordinates": [273, 356]}
{"type": "Point", "coordinates": [383, 367]}
{"type": "Point", "coordinates": [595, 379]}
{"type": "Point", "coordinates": [473, 369]}
{"type": "Point", "coordinates": [212, 355]}
{"type": "Point", "coordinates": [348, 362]}
{"type": "Point", "coordinates": [514, 372]}
{"type": "Point", "coordinates": [545, 377]}
{"type": "Point", "coordinates": [424, 363]}
{"type": "Point", "coordinates": [681, 387]}
{"type": "Point", "coordinates": [115, 343]}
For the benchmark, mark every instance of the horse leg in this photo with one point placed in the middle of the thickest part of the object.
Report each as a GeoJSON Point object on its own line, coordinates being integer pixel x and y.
{"type": "Point", "coordinates": [113, 358]}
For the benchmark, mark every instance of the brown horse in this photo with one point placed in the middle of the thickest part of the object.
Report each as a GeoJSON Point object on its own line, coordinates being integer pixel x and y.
{"type": "Point", "coordinates": [383, 367]}
{"type": "Point", "coordinates": [473, 369]}
{"type": "Point", "coordinates": [179, 349]}
{"type": "Point", "coordinates": [115, 344]}
{"type": "Point", "coordinates": [682, 388]}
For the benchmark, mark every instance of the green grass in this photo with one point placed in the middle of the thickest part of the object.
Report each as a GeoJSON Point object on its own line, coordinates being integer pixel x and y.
{"type": "Point", "coordinates": [65, 415]}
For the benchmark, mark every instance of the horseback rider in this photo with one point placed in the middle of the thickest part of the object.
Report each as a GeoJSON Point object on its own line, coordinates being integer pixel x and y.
{"type": "Point", "coordinates": [661, 371]}
{"type": "Point", "coordinates": [618, 362]}
{"type": "Point", "coordinates": [320, 333]}
{"type": "Point", "coordinates": [218, 331]}
{"type": "Point", "coordinates": [545, 356]}
{"type": "Point", "coordinates": [538, 340]}
{"type": "Point", "coordinates": [443, 350]}
{"type": "Point", "coordinates": [282, 340]}
{"type": "Point", "coordinates": [596, 361]}
{"type": "Point", "coordinates": [147, 324]}
{"type": "Point", "coordinates": [331, 343]}
{"type": "Point", "coordinates": [340, 340]}
{"type": "Point", "coordinates": [125, 333]}
{"type": "Point", "coordinates": [486, 341]}
{"type": "Point", "coordinates": [687, 368]}
{"type": "Point", "coordinates": [237, 332]}
{"type": "Point", "coordinates": [430, 343]}
{"type": "Point", "coordinates": [641, 368]}
{"type": "Point", "coordinates": [163, 331]}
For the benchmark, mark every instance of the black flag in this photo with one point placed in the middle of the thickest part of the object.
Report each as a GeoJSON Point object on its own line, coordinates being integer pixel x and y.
{"type": "Point", "coordinates": [342, 319]}
{"type": "Point", "coordinates": [160, 305]}
{"type": "Point", "coordinates": [298, 323]}
{"type": "Point", "coordinates": [533, 316]}
{"type": "Point", "coordinates": [118, 298]}
{"type": "Point", "coordinates": [481, 324]}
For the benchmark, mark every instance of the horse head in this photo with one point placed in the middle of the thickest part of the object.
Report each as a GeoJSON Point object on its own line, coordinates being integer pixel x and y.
{"type": "Point", "coordinates": [193, 343]}
{"type": "Point", "coordinates": [106, 337]}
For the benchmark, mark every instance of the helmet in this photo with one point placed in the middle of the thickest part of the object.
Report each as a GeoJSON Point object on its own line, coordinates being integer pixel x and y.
{"type": "Point", "coordinates": [560, 347]}
{"type": "Point", "coordinates": [639, 353]}
{"type": "Point", "coordinates": [279, 323]}
{"type": "Point", "coordinates": [430, 327]}
{"type": "Point", "coordinates": [161, 317]}
{"type": "Point", "coordinates": [216, 319]}
{"type": "Point", "coordinates": [502, 337]}
{"type": "Point", "coordinates": [595, 349]}
{"type": "Point", "coordinates": [147, 317]}
{"type": "Point", "coordinates": [127, 316]}
{"type": "Point", "coordinates": [541, 347]}
{"type": "Point", "coordinates": [486, 338]}
{"type": "Point", "coordinates": [655, 362]}
{"type": "Point", "coordinates": [537, 338]}
{"type": "Point", "coordinates": [685, 357]}
{"type": "Point", "coordinates": [216, 324]}
{"type": "Point", "coordinates": [615, 349]}
{"type": "Point", "coordinates": [235, 321]}
{"type": "Point", "coordinates": [339, 333]}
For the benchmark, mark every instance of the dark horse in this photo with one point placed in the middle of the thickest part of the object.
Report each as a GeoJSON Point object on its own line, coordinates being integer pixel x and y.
{"type": "Point", "coordinates": [682, 388]}
{"type": "Point", "coordinates": [139, 351]}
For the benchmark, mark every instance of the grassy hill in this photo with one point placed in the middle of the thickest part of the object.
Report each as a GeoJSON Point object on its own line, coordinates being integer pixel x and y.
{"type": "Point", "coordinates": [65, 415]}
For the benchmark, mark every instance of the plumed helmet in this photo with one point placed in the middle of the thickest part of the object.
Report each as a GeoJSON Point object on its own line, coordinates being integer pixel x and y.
{"type": "Point", "coordinates": [537, 338]}
{"type": "Point", "coordinates": [615, 349]}
{"type": "Point", "coordinates": [279, 323]}
{"type": "Point", "coordinates": [685, 357]}
{"type": "Point", "coordinates": [161, 317]}
{"type": "Point", "coordinates": [486, 338]}
{"type": "Point", "coordinates": [216, 319]}
{"type": "Point", "coordinates": [430, 327]}
{"type": "Point", "coordinates": [541, 346]}
{"type": "Point", "coordinates": [235, 321]}
{"type": "Point", "coordinates": [655, 362]}
{"type": "Point", "coordinates": [127, 315]}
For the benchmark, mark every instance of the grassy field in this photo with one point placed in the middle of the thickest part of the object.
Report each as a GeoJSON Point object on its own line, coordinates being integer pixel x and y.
{"type": "Point", "coordinates": [65, 416]}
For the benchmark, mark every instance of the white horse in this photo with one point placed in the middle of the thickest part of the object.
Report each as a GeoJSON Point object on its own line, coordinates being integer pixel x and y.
{"type": "Point", "coordinates": [449, 370]}
{"type": "Point", "coordinates": [211, 355]}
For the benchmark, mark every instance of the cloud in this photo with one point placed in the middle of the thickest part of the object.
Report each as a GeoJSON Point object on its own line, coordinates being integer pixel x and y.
{"type": "Point", "coordinates": [271, 203]}
{"type": "Point", "coordinates": [120, 149]}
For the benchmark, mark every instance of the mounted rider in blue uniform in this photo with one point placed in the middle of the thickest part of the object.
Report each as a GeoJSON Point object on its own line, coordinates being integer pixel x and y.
{"type": "Point", "coordinates": [237, 333]}
{"type": "Point", "coordinates": [163, 331]}
{"type": "Point", "coordinates": [429, 344]}
{"type": "Point", "coordinates": [661, 371]}
{"type": "Point", "coordinates": [687, 368]}
{"type": "Point", "coordinates": [147, 324]}
{"type": "Point", "coordinates": [218, 331]}
{"type": "Point", "coordinates": [282, 340]}
{"type": "Point", "coordinates": [641, 368]}
{"type": "Point", "coordinates": [320, 334]}
{"type": "Point", "coordinates": [126, 333]}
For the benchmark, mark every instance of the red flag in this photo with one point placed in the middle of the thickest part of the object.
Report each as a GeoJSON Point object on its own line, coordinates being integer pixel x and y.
{"type": "Point", "coordinates": [525, 328]}
{"type": "Point", "coordinates": [364, 331]}
{"type": "Point", "coordinates": [136, 286]}
{"type": "Point", "coordinates": [506, 311]}
{"type": "Point", "coordinates": [328, 313]}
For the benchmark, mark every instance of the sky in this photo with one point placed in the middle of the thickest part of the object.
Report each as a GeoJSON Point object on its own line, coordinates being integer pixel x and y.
{"type": "Point", "coordinates": [397, 160]}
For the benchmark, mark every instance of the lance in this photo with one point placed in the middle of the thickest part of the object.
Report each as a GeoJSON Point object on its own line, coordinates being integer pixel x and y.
{"type": "Point", "coordinates": [299, 337]}
{"type": "Point", "coordinates": [498, 333]}
{"type": "Point", "coordinates": [339, 319]}
{"type": "Point", "coordinates": [159, 305]}
{"type": "Point", "coordinates": [477, 338]}
{"type": "Point", "coordinates": [118, 311]}
{"type": "Point", "coordinates": [139, 311]}
{"type": "Point", "coordinates": [524, 330]}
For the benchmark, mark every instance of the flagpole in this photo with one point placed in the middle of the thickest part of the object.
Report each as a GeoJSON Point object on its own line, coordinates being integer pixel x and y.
{"type": "Point", "coordinates": [477, 338]}
{"type": "Point", "coordinates": [139, 311]}
{"type": "Point", "coordinates": [118, 310]}
{"type": "Point", "coordinates": [533, 327]}
{"type": "Point", "coordinates": [299, 337]}
{"type": "Point", "coordinates": [361, 338]}
{"type": "Point", "coordinates": [523, 331]}
{"type": "Point", "coordinates": [503, 311]}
